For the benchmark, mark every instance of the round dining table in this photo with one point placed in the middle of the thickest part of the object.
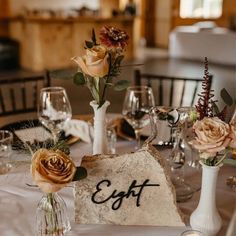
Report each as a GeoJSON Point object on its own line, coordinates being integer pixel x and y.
{"type": "Point", "coordinates": [17, 186]}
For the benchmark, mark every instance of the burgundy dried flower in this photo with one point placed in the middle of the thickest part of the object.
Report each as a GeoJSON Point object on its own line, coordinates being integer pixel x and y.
{"type": "Point", "coordinates": [113, 37]}
{"type": "Point", "coordinates": [205, 102]}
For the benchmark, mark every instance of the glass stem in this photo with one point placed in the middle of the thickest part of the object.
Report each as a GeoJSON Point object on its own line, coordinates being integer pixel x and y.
{"type": "Point", "coordinates": [138, 140]}
{"type": "Point", "coordinates": [55, 136]}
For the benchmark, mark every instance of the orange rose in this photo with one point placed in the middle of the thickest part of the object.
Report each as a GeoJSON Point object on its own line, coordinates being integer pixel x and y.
{"type": "Point", "coordinates": [212, 136]}
{"type": "Point", "coordinates": [94, 63]}
{"type": "Point", "coordinates": [52, 170]}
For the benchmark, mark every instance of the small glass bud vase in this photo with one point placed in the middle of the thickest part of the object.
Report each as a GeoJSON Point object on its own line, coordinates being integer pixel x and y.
{"type": "Point", "coordinates": [51, 216]}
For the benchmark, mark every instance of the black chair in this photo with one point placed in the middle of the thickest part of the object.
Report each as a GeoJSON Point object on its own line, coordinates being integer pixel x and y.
{"type": "Point", "coordinates": [171, 91]}
{"type": "Point", "coordinates": [20, 95]}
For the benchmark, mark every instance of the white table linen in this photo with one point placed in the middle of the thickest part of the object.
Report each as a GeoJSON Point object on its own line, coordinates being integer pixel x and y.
{"type": "Point", "coordinates": [13, 186]}
{"type": "Point", "coordinates": [189, 42]}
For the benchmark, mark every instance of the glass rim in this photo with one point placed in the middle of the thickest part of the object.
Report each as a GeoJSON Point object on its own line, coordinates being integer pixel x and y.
{"type": "Point", "coordinates": [53, 89]}
{"type": "Point", "coordinates": [167, 108]}
{"type": "Point", "coordinates": [138, 88]}
{"type": "Point", "coordinates": [192, 231]}
{"type": "Point", "coordinates": [6, 132]}
{"type": "Point", "coordinates": [170, 108]}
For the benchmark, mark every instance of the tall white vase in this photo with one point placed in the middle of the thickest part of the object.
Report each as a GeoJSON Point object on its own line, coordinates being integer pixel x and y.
{"type": "Point", "coordinates": [206, 217]}
{"type": "Point", "coordinates": [100, 135]}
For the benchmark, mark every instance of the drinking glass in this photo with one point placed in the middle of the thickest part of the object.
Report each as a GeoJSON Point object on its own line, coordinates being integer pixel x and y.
{"type": "Point", "coordinates": [6, 138]}
{"type": "Point", "coordinates": [231, 180]}
{"type": "Point", "coordinates": [138, 101]}
{"type": "Point", "coordinates": [184, 190]}
{"type": "Point", "coordinates": [167, 125]}
{"type": "Point", "coordinates": [54, 109]}
{"type": "Point", "coordinates": [163, 121]}
{"type": "Point", "coordinates": [192, 233]}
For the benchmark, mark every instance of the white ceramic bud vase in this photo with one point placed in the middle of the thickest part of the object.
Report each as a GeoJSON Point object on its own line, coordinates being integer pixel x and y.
{"type": "Point", "coordinates": [206, 217]}
{"type": "Point", "coordinates": [100, 136]}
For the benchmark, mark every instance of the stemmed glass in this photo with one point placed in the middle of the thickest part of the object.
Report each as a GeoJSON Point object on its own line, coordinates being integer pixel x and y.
{"type": "Point", "coordinates": [54, 109]}
{"type": "Point", "coordinates": [168, 132]}
{"type": "Point", "coordinates": [138, 101]}
{"type": "Point", "coordinates": [231, 180]}
{"type": "Point", "coordinates": [6, 138]}
{"type": "Point", "coordinates": [184, 190]}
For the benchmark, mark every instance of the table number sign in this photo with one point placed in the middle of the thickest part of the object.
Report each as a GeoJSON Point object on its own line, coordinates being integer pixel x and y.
{"type": "Point", "coordinates": [129, 189]}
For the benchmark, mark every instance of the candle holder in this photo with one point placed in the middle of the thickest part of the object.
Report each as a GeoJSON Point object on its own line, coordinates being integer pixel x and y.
{"type": "Point", "coordinates": [192, 233]}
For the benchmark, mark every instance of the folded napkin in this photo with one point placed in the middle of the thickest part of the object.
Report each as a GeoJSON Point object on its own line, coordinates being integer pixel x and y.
{"type": "Point", "coordinates": [29, 135]}
{"type": "Point", "coordinates": [79, 128]}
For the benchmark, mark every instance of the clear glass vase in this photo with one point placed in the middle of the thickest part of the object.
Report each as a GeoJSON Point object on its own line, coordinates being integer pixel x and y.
{"type": "Point", "coordinates": [51, 216]}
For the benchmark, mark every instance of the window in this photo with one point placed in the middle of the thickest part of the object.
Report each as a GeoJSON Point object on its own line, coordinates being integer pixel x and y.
{"type": "Point", "coordinates": [201, 8]}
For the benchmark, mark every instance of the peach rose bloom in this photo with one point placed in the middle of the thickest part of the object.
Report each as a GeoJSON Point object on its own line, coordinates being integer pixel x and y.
{"type": "Point", "coordinates": [52, 170]}
{"type": "Point", "coordinates": [94, 63]}
{"type": "Point", "coordinates": [212, 136]}
{"type": "Point", "coordinates": [233, 134]}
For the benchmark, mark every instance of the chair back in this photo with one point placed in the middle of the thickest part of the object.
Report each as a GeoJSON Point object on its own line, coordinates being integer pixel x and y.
{"type": "Point", "coordinates": [20, 95]}
{"type": "Point", "coordinates": [171, 91]}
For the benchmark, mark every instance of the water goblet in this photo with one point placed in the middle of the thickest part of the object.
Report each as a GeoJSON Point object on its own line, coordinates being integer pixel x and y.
{"type": "Point", "coordinates": [54, 109]}
{"type": "Point", "coordinates": [138, 101]}
{"type": "Point", "coordinates": [184, 190]}
{"type": "Point", "coordinates": [163, 121]}
{"type": "Point", "coordinates": [167, 125]}
{"type": "Point", "coordinates": [6, 138]}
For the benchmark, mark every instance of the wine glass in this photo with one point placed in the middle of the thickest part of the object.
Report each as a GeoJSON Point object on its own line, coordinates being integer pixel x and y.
{"type": "Point", "coordinates": [184, 190]}
{"type": "Point", "coordinates": [54, 109]}
{"type": "Point", "coordinates": [168, 129]}
{"type": "Point", "coordinates": [138, 101]}
{"type": "Point", "coordinates": [231, 180]}
{"type": "Point", "coordinates": [163, 121]}
{"type": "Point", "coordinates": [6, 138]}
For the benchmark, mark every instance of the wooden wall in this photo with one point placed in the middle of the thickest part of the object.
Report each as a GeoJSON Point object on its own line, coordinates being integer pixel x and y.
{"type": "Point", "coordinates": [50, 44]}
{"type": "Point", "coordinates": [162, 22]}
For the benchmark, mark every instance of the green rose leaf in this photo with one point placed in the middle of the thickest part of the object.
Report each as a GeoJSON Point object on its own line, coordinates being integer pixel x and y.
{"type": "Point", "coordinates": [226, 97]}
{"type": "Point", "coordinates": [121, 85]}
{"type": "Point", "coordinates": [89, 44]}
{"type": "Point", "coordinates": [79, 78]}
{"type": "Point", "coordinates": [80, 173]}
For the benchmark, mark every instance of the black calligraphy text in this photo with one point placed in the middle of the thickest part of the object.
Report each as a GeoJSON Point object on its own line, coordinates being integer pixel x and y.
{"type": "Point", "coordinates": [134, 190]}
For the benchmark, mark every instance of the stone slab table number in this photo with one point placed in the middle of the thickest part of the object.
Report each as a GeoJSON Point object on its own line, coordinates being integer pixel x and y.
{"type": "Point", "coordinates": [129, 189]}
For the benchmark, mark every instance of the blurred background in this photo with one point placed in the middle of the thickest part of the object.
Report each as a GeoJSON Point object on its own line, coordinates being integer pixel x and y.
{"type": "Point", "coordinates": [169, 37]}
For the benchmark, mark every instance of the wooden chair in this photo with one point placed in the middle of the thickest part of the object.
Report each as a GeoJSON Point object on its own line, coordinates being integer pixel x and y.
{"type": "Point", "coordinates": [20, 95]}
{"type": "Point", "coordinates": [171, 91]}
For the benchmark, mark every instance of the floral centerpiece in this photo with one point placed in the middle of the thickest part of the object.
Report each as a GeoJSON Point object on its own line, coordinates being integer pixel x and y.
{"type": "Point", "coordinates": [51, 170]}
{"type": "Point", "coordinates": [97, 70]}
{"type": "Point", "coordinates": [214, 138]}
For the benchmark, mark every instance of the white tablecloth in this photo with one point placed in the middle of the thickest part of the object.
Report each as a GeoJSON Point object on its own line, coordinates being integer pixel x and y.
{"type": "Point", "coordinates": [218, 44]}
{"type": "Point", "coordinates": [13, 186]}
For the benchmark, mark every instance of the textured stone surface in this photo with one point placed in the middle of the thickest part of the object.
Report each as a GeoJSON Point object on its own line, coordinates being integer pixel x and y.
{"type": "Point", "coordinates": [150, 205]}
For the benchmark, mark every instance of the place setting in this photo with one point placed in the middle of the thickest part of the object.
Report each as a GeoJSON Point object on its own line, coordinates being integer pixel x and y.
{"type": "Point", "coordinates": [152, 168]}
